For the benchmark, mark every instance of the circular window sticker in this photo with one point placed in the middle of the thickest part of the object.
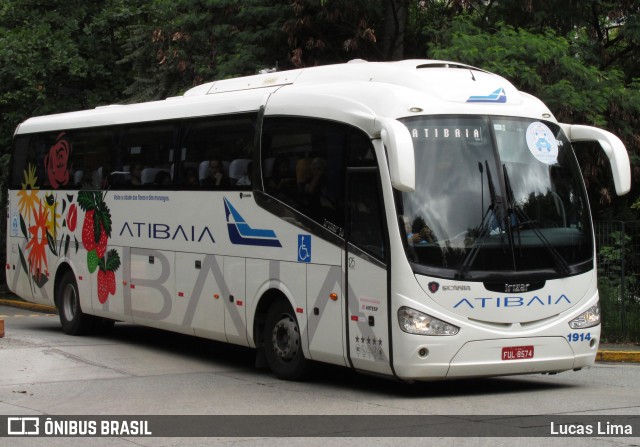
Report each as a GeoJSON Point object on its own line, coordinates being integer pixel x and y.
{"type": "Point", "coordinates": [542, 143]}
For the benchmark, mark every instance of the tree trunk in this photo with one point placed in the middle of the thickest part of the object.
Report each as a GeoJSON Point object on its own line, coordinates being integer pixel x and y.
{"type": "Point", "coordinates": [395, 24]}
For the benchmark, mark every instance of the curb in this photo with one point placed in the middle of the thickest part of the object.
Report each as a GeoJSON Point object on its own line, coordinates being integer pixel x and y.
{"type": "Point", "coordinates": [618, 356]}
{"type": "Point", "coordinates": [29, 306]}
{"type": "Point", "coordinates": [601, 357]}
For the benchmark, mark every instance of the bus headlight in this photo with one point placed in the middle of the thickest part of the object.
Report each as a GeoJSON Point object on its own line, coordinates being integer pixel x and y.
{"type": "Point", "coordinates": [415, 322]}
{"type": "Point", "coordinates": [589, 318]}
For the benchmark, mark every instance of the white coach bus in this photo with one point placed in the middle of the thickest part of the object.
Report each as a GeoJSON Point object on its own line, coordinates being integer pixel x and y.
{"type": "Point", "coordinates": [416, 219]}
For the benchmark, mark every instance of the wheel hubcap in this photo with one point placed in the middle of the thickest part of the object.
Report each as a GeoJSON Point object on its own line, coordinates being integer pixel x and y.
{"type": "Point", "coordinates": [69, 302]}
{"type": "Point", "coordinates": [286, 338]}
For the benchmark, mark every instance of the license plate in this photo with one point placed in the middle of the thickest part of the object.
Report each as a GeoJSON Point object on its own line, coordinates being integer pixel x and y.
{"type": "Point", "coordinates": [517, 353]}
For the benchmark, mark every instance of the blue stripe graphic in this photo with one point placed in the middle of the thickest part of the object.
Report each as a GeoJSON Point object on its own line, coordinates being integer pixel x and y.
{"type": "Point", "coordinates": [499, 97]}
{"type": "Point", "coordinates": [241, 233]}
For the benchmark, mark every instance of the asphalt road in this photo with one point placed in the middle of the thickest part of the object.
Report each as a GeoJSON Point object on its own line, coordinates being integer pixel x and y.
{"type": "Point", "coordinates": [141, 371]}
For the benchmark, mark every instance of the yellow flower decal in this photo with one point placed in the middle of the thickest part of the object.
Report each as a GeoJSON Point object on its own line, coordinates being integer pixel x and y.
{"type": "Point", "coordinates": [52, 223]}
{"type": "Point", "coordinates": [28, 196]}
{"type": "Point", "coordinates": [38, 242]}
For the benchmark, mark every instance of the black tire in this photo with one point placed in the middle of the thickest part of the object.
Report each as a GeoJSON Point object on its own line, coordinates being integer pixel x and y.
{"type": "Point", "coordinates": [283, 343]}
{"type": "Point", "coordinates": [73, 320]}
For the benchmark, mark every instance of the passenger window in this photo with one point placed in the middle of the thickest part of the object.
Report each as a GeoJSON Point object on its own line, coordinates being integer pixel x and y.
{"type": "Point", "coordinates": [20, 161]}
{"type": "Point", "coordinates": [361, 151]}
{"type": "Point", "coordinates": [303, 165]}
{"type": "Point", "coordinates": [217, 153]}
{"type": "Point", "coordinates": [28, 160]}
{"type": "Point", "coordinates": [365, 213]}
{"type": "Point", "coordinates": [92, 152]}
{"type": "Point", "coordinates": [145, 158]}
{"type": "Point", "coordinates": [63, 160]}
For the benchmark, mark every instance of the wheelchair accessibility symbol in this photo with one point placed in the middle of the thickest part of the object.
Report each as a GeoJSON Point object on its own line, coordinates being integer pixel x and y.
{"type": "Point", "coordinates": [304, 248]}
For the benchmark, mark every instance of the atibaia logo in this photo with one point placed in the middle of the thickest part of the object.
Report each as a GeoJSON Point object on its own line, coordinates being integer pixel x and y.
{"type": "Point", "coordinates": [499, 97]}
{"type": "Point", "coordinates": [241, 233]}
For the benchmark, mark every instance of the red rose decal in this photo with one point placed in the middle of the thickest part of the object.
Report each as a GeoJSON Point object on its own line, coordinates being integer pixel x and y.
{"type": "Point", "coordinates": [56, 162]}
{"type": "Point", "coordinates": [72, 217]}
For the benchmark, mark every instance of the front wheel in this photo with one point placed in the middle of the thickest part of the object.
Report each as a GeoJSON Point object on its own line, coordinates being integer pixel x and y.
{"type": "Point", "coordinates": [283, 343]}
{"type": "Point", "coordinates": [73, 320]}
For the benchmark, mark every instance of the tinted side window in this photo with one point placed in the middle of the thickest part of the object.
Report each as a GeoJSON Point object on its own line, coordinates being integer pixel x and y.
{"type": "Point", "coordinates": [361, 153]}
{"type": "Point", "coordinates": [217, 153]}
{"type": "Point", "coordinates": [145, 157]}
{"type": "Point", "coordinates": [62, 159]}
{"type": "Point", "coordinates": [366, 229]}
{"type": "Point", "coordinates": [91, 158]}
{"type": "Point", "coordinates": [21, 158]}
{"type": "Point", "coordinates": [303, 165]}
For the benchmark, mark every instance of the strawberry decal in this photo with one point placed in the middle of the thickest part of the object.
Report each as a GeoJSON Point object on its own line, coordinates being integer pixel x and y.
{"type": "Point", "coordinates": [96, 231]}
{"type": "Point", "coordinates": [87, 229]}
{"type": "Point", "coordinates": [107, 276]}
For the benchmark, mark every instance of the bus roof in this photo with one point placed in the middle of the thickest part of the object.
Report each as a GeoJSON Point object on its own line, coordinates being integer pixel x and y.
{"type": "Point", "coordinates": [356, 92]}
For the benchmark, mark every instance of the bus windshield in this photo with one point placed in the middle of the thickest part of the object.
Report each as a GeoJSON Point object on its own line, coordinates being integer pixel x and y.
{"type": "Point", "coordinates": [494, 196]}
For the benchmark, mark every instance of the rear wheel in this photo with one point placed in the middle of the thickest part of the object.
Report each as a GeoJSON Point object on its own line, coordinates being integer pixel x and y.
{"type": "Point", "coordinates": [283, 343]}
{"type": "Point", "coordinates": [73, 320]}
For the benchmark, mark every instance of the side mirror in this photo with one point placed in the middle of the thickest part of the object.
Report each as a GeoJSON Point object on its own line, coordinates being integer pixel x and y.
{"type": "Point", "coordinates": [402, 166]}
{"type": "Point", "coordinates": [613, 148]}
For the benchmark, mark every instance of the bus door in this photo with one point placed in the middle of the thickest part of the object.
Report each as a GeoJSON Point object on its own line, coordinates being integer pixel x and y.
{"type": "Point", "coordinates": [366, 273]}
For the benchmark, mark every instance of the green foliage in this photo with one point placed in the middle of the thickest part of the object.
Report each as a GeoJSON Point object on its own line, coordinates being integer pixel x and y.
{"type": "Point", "coordinates": [619, 299]}
{"type": "Point", "coordinates": [175, 45]}
{"type": "Point", "coordinates": [57, 56]}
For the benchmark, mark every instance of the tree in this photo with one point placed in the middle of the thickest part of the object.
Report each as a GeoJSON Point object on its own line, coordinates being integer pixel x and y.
{"type": "Point", "coordinates": [395, 26]}
{"type": "Point", "coordinates": [322, 32]}
{"type": "Point", "coordinates": [57, 56]}
{"type": "Point", "coordinates": [175, 45]}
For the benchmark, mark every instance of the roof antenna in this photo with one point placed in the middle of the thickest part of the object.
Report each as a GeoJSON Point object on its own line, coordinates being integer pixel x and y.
{"type": "Point", "coordinates": [269, 70]}
{"type": "Point", "coordinates": [472, 76]}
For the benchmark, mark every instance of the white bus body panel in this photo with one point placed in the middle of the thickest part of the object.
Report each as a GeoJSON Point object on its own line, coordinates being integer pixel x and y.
{"type": "Point", "coordinates": [198, 291]}
{"type": "Point", "coordinates": [325, 326]}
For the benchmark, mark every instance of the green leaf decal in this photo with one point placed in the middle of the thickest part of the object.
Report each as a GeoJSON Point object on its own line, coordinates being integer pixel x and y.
{"type": "Point", "coordinates": [40, 280]}
{"type": "Point", "coordinates": [113, 260]}
{"type": "Point", "coordinates": [23, 261]}
{"type": "Point", "coordinates": [23, 227]}
{"type": "Point", "coordinates": [86, 200]}
{"type": "Point", "coordinates": [92, 261]}
{"type": "Point", "coordinates": [102, 216]}
{"type": "Point", "coordinates": [52, 244]}
{"type": "Point", "coordinates": [75, 239]}
{"type": "Point", "coordinates": [66, 244]}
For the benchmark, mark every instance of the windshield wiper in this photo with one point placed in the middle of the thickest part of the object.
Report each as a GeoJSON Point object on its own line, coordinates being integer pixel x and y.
{"type": "Point", "coordinates": [511, 200]}
{"type": "Point", "coordinates": [562, 266]}
{"type": "Point", "coordinates": [481, 230]}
